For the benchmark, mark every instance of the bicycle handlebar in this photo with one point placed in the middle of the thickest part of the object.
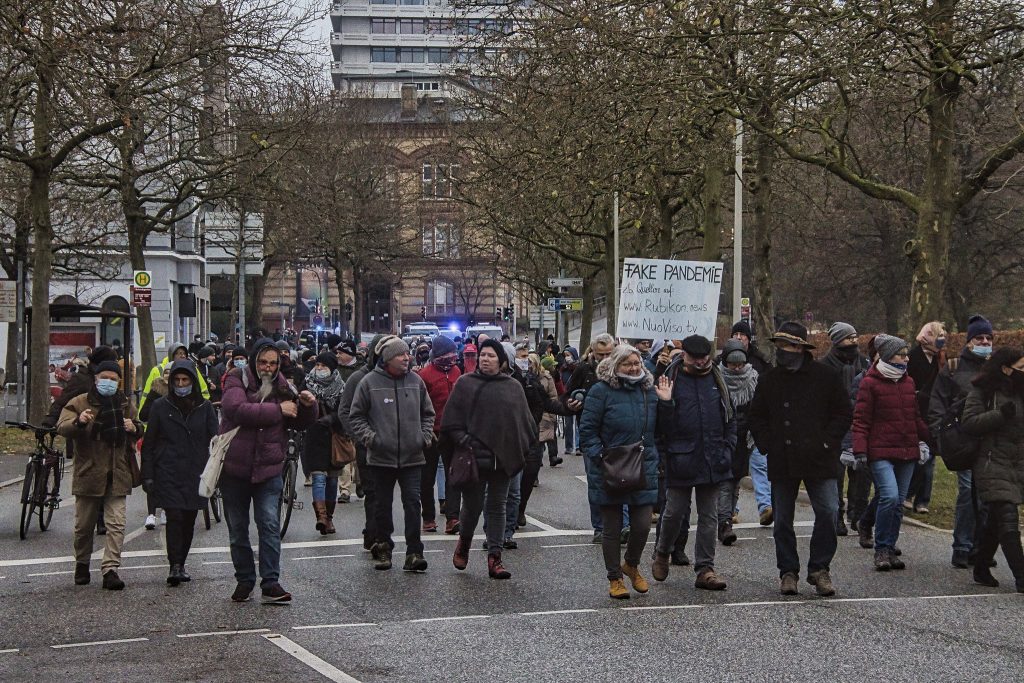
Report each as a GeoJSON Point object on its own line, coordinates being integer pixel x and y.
{"type": "Point", "coordinates": [27, 426]}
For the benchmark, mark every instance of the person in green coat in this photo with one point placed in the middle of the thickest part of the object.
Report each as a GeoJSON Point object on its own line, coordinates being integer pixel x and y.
{"type": "Point", "coordinates": [620, 409]}
{"type": "Point", "coordinates": [994, 411]}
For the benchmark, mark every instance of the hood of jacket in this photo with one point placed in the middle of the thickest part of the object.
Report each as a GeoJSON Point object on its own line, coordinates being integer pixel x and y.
{"type": "Point", "coordinates": [260, 345]}
{"type": "Point", "coordinates": [174, 346]}
{"type": "Point", "coordinates": [185, 365]}
{"type": "Point", "coordinates": [606, 373]}
{"type": "Point", "coordinates": [573, 352]}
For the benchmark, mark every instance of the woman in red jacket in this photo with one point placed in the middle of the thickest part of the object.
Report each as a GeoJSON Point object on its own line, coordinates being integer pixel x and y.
{"type": "Point", "coordinates": [889, 437]}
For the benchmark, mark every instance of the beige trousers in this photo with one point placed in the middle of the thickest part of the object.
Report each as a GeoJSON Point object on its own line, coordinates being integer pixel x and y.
{"type": "Point", "coordinates": [87, 509]}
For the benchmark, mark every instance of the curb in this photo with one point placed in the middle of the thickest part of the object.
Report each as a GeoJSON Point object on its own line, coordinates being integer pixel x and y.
{"type": "Point", "coordinates": [12, 482]}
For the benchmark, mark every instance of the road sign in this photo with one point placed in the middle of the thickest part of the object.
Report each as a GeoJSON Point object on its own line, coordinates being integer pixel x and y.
{"type": "Point", "coordinates": [142, 297]}
{"type": "Point", "coordinates": [143, 279]}
{"type": "Point", "coordinates": [745, 301]}
{"type": "Point", "coordinates": [565, 304]}
{"type": "Point", "coordinates": [540, 317]}
{"type": "Point", "coordinates": [8, 301]}
{"type": "Point", "coordinates": [565, 282]}
{"type": "Point", "coordinates": [318, 320]}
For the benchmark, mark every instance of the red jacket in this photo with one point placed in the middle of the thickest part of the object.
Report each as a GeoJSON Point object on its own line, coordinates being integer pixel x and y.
{"type": "Point", "coordinates": [886, 421]}
{"type": "Point", "coordinates": [439, 388]}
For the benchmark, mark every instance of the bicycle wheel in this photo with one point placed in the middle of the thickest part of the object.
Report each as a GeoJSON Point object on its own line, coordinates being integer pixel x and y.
{"type": "Point", "coordinates": [46, 494]}
{"type": "Point", "coordinates": [215, 504]}
{"type": "Point", "coordinates": [287, 495]}
{"type": "Point", "coordinates": [28, 497]}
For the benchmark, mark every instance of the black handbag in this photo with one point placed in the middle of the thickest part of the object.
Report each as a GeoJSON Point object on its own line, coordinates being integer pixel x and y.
{"type": "Point", "coordinates": [467, 456]}
{"type": "Point", "coordinates": [622, 467]}
{"type": "Point", "coordinates": [959, 450]}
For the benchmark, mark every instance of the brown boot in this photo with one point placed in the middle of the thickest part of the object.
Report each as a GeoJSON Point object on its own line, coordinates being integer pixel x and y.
{"type": "Point", "coordinates": [320, 509]}
{"type": "Point", "coordinates": [329, 522]}
{"type": "Point", "coordinates": [709, 580]}
{"type": "Point", "coordinates": [659, 569]}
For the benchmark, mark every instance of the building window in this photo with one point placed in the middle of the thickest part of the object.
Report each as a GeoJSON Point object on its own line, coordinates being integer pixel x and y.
{"type": "Point", "coordinates": [398, 55]}
{"type": "Point", "coordinates": [383, 25]}
{"type": "Point", "coordinates": [439, 297]}
{"type": "Point", "coordinates": [439, 55]}
{"type": "Point", "coordinates": [441, 240]}
{"type": "Point", "coordinates": [439, 180]}
{"type": "Point", "coordinates": [411, 26]}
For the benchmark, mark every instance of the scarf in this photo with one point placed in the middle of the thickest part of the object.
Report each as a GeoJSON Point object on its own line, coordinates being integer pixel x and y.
{"type": "Point", "coordinates": [109, 419]}
{"type": "Point", "coordinates": [327, 391]}
{"type": "Point", "coordinates": [741, 385]}
{"type": "Point", "coordinates": [889, 372]}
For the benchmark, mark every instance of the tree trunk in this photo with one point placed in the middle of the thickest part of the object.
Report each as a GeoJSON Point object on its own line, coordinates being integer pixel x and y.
{"type": "Point", "coordinates": [665, 226]}
{"type": "Point", "coordinates": [711, 223]}
{"type": "Point", "coordinates": [761, 193]}
{"type": "Point", "coordinates": [928, 252]}
{"type": "Point", "coordinates": [587, 317]}
{"type": "Point", "coordinates": [357, 303]}
{"type": "Point", "coordinates": [42, 265]}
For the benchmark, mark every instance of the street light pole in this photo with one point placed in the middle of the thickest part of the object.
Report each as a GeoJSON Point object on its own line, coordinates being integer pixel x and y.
{"type": "Point", "coordinates": [737, 222]}
{"type": "Point", "coordinates": [615, 229]}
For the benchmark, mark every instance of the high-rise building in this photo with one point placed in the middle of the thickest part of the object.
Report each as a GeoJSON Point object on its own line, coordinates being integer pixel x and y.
{"type": "Point", "coordinates": [378, 45]}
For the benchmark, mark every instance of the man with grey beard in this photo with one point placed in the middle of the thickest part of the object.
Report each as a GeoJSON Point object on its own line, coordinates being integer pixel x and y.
{"type": "Point", "coordinates": [264, 405]}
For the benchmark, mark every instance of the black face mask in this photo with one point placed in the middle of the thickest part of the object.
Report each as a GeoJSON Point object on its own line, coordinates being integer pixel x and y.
{"type": "Point", "coordinates": [790, 360]}
{"type": "Point", "coordinates": [847, 353]}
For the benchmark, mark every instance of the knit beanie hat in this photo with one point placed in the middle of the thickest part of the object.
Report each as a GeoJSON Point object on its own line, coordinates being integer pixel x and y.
{"type": "Point", "coordinates": [108, 366]}
{"type": "Point", "coordinates": [978, 325]}
{"type": "Point", "coordinates": [733, 352]}
{"type": "Point", "coordinates": [743, 328]}
{"type": "Point", "coordinates": [102, 353]}
{"type": "Point", "coordinates": [390, 347]}
{"type": "Point", "coordinates": [888, 346]}
{"type": "Point", "coordinates": [328, 360]}
{"type": "Point", "coordinates": [441, 345]}
{"type": "Point", "coordinates": [840, 331]}
{"type": "Point", "coordinates": [548, 363]}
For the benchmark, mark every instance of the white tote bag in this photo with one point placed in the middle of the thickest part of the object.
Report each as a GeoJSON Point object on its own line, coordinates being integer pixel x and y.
{"type": "Point", "coordinates": [211, 473]}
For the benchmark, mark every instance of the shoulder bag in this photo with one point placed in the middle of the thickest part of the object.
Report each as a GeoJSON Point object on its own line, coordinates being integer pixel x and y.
{"type": "Point", "coordinates": [622, 467]}
{"type": "Point", "coordinates": [464, 469]}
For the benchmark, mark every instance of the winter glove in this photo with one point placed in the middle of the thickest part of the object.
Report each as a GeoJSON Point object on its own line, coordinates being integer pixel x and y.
{"type": "Point", "coordinates": [846, 458]}
{"type": "Point", "coordinates": [862, 461]}
{"type": "Point", "coordinates": [1008, 409]}
{"type": "Point", "coordinates": [924, 451]}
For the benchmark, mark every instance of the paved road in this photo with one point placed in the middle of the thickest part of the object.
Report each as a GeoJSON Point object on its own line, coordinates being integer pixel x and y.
{"type": "Point", "coordinates": [552, 622]}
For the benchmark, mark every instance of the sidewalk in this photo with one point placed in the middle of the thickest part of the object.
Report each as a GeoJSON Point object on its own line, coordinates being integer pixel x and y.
{"type": "Point", "coordinates": [15, 447]}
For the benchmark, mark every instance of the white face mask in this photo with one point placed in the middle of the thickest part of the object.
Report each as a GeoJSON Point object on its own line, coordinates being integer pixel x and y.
{"type": "Point", "coordinates": [322, 373]}
{"type": "Point", "coordinates": [523, 364]}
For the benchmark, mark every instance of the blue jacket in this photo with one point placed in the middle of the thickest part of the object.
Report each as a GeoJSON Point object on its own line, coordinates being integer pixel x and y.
{"type": "Point", "coordinates": [613, 415]}
{"type": "Point", "coordinates": [697, 429]}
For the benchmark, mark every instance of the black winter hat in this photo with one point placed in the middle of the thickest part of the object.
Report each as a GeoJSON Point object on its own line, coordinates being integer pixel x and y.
{"type": "Point", "coordinates": [793, 332]}
{"type": "Point", "coordinates": [743, 328]}
{"type": "Point", "coordinates": [102, 353]}
{"type": "Point", "coordinates": [108, 366]}
{"type": "Point", "coordinates": [328, 360]}
{"type": "Point", "coordinates": [348, 346]}
{"type": "Point", "coordinates": [697, 346]}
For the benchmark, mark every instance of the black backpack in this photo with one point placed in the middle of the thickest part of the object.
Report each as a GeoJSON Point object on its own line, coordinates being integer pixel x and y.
{"type": "Point", "coordinates": [959, 450]}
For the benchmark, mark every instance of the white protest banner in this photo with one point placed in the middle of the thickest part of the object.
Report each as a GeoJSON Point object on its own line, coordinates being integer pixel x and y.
{"type": "Point", "coordinates": [660, 299]}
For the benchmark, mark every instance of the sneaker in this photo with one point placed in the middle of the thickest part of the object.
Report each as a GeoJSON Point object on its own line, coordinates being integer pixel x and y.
{"type": "Point", "coordinates": [383, 557]}
{"type": "Point", "coordinates": [598, 536]}
{"type": "Point", "coordinates": [864, 536]}
{"type": "Point", "coordinates": [617, 589]}
{"type": "Point", "coordinates": [710, 581]}
{"type": "Point", "coordinates": [414, 562]}
{"type": "Point", "coordinates": [822, 582]}
{"type": "Point", "coordinates": [243, 591]}
{"type": "Point", "coordinates": [163, 518]}
{"type": "Point", "coordinates": [510, 545]}
{"type": "Point", "coordinates": [960, 559]}
{"type": "Point", "coordinates": [344, 497]}
{"type": "Point", "coordinates": [680, 558]}
{"type": "Point", "coordinates": [429, 526]}
{"type": "Point", "coordinates": [555, 462]}
{"type": "Point", "coordinates": [882, 563]}
{"type": "Point", "coordinates": [112, 582]}
{"type": "Point", "coordinates": [659, 568]}
{"type": "Point", "coordinates": [81, 573]}
{"type": "Point", "coordinates": [451, 527]}
{"type": "Point", "coordinates": [640, 584]}
{"type": "Point", "coordinates": [894, 560]}
{"type": "Point", "coordinates": [151, 522]}
{"type": "Point", "coordinates": [788, 584]}
{"type": "Point", "coordinates": [274, 594]}
{"type": "Point", "coordinates": [767, 516]}
{"type": "Point", "coordinates": [907, 505]}
{"type": "Point", "coordinates": [578, 453]}
{"type": "Point", "coordinates": [726, 535]}
{"type": "Point", "coordinates": [921, 509]}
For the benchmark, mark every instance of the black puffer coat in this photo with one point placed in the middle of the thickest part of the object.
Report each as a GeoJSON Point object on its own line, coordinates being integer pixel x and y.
{"type": "Point", "coordinates": [999, 471]}
{"type": "Point", "coordinates": [177, 445]}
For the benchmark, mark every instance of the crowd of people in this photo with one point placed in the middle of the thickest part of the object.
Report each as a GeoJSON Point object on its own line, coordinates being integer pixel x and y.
{"type": "Point", "coordinates": [462, 429]}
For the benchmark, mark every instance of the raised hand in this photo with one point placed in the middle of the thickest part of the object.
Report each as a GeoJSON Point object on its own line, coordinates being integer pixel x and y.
{"type": "Point", "coordinates": [664, 388]}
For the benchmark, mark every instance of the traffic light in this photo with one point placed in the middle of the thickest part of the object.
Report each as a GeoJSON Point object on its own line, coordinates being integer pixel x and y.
{"type": "Point", "coordinates": [511, 311]}
{"type": "Point", "coordinates": [506, 313]}
{"type": "Point", "coordinates": [497, 313]}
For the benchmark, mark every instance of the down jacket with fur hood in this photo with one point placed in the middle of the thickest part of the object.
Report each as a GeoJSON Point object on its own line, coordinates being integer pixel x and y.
{"type": "Point", "coordinates": [615, 414]}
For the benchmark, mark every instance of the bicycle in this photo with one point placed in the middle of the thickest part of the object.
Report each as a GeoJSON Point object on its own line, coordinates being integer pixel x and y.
{"type": "Point", "coordinates": [40, 493]}
{"type": "Point", "coordinates": [287, 501]}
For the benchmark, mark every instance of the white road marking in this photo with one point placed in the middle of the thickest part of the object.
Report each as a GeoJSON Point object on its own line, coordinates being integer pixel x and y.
{"type": "Point", "coordinates": [557, 533]}
{"type": "Point", "coordinates": [145, 566]}
{"type": "Point", "coordinates": [471, 616]}
{"type": "Point", "coordinates": [99, 642]}
{"type": "Point", "coordinates": [131, 536]}
{"type": "Point", "coordinates": [223, 633]}
{"type": "Point", "coordinates": [140, 566]}
{"type": "Point", "coordinates": [661, 607]}
{"type": "Point", "coordinates": [300, 653]}
{"type": "Point", "coordinates": [539, 524]}
{"type": "Point", "coordinates": [216, 562]}
{"type": "Point", "coordinates": [318, 557]}
{"type": "Point", "coordinates": [57, 573]}
{"type": "Point", "coordinates": [556, 611]}
{"type": "Point", "coordinates": [432, 551]}
{"type": "Point", "coordinates": [11, 651]}
{"type": "Point", "coordinates": [317, 626]}
{"type": "Point", "coordinates": [573, 545]}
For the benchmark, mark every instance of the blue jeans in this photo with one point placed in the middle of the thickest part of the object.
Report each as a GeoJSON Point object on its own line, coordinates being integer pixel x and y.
{"type": "Point", "coordinates": [569, 427]}
{"type": "Point", "coordinates": [265, 497]}
{"type": "Point", "coordinates": [759, 477]}
{"type": "Point", "coordinates": [512, 500]}
{"type": "Point", "coordinates": [964, 517]}
{"type": "Point", "coordinates": [824, 495]}
{"type": "Point", "coordinates": [325, 487]}
{"type": "Point", "coordinates": [892, 481]}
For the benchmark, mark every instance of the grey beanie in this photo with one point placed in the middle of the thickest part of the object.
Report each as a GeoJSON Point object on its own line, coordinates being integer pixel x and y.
{"type": "Point", "coordinates": [888, 346]}
{"type": "Point", "coordinates": [390, 348]}
{"type": "Point", "coordinates": [441, 345]}
{"type": "Point", "coordinates": [840, 331]}
{"type": "Point", "coordinates": [733, 352]}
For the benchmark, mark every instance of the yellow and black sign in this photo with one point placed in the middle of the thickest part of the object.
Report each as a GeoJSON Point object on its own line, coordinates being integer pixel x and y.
{"type": "Point", "coordinates": [143, 278]}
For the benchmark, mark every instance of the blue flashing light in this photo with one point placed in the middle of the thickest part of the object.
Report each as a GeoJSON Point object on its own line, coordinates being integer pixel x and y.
{"type": "Point", "coordinates": [453, 327]}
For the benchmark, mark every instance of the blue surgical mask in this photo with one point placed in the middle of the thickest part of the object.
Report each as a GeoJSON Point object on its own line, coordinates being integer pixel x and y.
{"type": "Point", "coordinates": [106, 387]}
{"type": "Point", "coordinates": [982, 351]}
{"type": "Point", "coordinates": [241, 363]}
{"type": "Point", "coordinates": [183, 391]}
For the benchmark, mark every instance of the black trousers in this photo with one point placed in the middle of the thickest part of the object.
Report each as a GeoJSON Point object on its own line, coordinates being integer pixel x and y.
{"type": "Point", "coordinates": [1001, 528]}
{"type": "Point", "coordinates": [181, 524]}
{"type": "Point", "coordinates": [369, 492]}
{"type": "Point", "coordinates": [432, 455]}
{"type": "Point", "coordinates": [534, 461]}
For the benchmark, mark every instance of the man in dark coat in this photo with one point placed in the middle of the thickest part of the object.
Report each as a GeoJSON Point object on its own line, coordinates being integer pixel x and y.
{"type": "Point", "coordinates": [926, 361]}
{"type": "Point", "coordinates": [950, 389]}
{"type": "Point", "coordinates": [743, 333]}
{"type": "Point", "coordinates": [799, 416]}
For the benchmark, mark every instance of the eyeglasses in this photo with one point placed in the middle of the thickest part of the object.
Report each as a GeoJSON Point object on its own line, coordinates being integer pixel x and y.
{"type": "Point", "coordinates": [902, 354]}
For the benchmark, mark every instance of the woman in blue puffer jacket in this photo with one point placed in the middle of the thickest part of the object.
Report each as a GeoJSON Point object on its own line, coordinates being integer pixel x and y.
{"type": "Point", "coordinates": [621, 409]}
